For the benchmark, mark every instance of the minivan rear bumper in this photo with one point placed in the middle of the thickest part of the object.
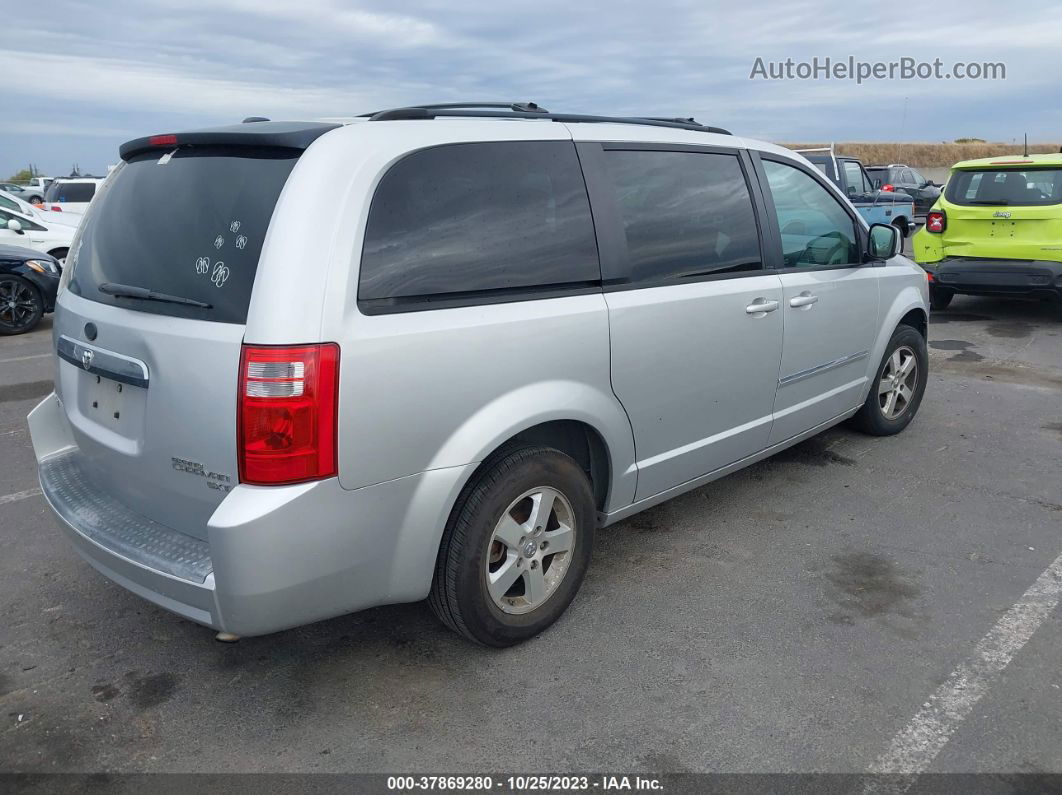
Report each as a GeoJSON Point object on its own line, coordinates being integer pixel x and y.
{"type": "Point", "coordinates": [274, 558]}
{"type": "Point", "coordinates": [973, 276]}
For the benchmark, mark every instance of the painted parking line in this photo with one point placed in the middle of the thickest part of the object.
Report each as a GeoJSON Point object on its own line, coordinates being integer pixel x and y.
{"type": "Point", "coordinates": [25, 358]}
{"type": "Point", "coordinates": [19, 495]}
{"type": "Point", "coordinates": [914, 748]}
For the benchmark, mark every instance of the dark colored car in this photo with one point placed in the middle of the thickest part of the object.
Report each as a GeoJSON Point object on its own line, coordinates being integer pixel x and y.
{"type": "Point", "coordinates": [29, 281]}
{"type": "Point", "coordinates": [899, 177]}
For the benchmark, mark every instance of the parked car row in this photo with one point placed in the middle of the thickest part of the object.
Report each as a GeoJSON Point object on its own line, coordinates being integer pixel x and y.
{"type": "Point", "coordinates": [63, 194]}
{"type": "Point", "coordinates": [875, 203]}
{"type": "Point", "coordinates": [37, 226]}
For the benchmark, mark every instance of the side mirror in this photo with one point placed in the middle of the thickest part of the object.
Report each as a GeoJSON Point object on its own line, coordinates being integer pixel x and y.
{"type": "Point", "coordinates": [14, 226]}
{"type": "Point", "coordinates": [884, 241]}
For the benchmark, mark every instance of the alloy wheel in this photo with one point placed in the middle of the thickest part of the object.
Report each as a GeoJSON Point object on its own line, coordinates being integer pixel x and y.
{"type": "Point", "coordinates": [18, 306]}
{"type": "Point", "coordinates": [898, 381]}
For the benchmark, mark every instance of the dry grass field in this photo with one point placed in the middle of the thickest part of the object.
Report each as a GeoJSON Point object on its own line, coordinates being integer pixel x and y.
{"type": "Point", "coordinates": [926, 155]}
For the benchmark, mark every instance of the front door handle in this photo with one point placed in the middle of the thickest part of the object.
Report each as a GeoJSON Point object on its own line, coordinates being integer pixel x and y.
{"type": "Point", "coordinates": [804, 300]}
{"type": "Point", "coordinates": [761, 306]}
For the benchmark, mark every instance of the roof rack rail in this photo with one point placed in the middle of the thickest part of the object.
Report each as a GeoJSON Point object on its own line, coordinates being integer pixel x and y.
{"type": "Point", "coordinates": [529, 110]}
{"type": "Point", "coordinates": [518, 107]}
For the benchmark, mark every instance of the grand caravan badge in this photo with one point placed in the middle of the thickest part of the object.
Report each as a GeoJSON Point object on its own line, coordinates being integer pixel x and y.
{"type": "Point", "coordinates": [214, 480]}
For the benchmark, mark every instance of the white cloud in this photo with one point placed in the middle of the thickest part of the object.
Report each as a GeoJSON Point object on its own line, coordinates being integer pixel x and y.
{"type": "Point", "coordinates": [101, 65]}
{"type": "Point", "coordinates": [133, 85]}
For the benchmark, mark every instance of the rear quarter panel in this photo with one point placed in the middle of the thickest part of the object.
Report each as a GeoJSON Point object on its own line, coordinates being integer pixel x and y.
{"type": "Point", "coordinates": [427, 390]}
{"type": "Point", "coordinates": [902, 288]}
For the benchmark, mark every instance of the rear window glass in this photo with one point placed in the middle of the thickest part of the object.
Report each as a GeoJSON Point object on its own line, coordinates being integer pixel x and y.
{"type": "Point", "coordinates": [685, 214]}
{"type": "Point", "coordinates": [479, 218]}
{"type": "Point", "coordinates": [1005, 187]}
{"type": "Point", "coordinates": [190, 225]}
{"type": "Point", "coordinates": [70, 192]}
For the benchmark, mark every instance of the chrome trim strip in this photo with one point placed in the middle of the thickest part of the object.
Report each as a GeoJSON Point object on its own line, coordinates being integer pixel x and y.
{"type": "Point", "coordinates": [101, 362]}
{"type": "Point", "coordinates": [821, 368]}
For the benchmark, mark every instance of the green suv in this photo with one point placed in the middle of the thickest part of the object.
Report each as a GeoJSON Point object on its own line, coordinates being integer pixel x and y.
{"type": "Point", "coordinates": [996, 230]}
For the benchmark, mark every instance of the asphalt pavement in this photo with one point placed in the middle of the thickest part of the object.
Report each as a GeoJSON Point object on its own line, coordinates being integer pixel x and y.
{"type": "Point", "coordinates": [795, 616]}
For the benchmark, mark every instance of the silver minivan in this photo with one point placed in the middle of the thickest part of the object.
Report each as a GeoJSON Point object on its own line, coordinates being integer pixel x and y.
{"type": "Point", "coordinates": [492, 331]}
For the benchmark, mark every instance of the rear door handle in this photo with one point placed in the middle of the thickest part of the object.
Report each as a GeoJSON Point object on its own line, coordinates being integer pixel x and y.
{"type": "Point", "coordinates": [761, 306]}
{"type": "Point", "coordinates": [805, 299]}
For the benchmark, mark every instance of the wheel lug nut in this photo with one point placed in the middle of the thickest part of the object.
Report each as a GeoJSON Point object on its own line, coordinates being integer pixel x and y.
{"type": "Point", "coordinates": [544, 544]}
{"type": "Point", "coordinates": [534, 564]}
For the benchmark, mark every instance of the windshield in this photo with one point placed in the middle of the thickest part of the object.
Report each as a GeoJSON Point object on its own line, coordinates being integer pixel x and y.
{"type": "Point", "coordinates": [1005, 187]}
{"type": "Point", "coordinates": [187, 223]}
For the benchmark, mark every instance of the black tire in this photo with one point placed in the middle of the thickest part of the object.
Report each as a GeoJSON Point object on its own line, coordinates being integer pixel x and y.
{"type": "Point", "coordinates": [872, 417]}
{"type": "Point", "coordinates": [459, 595]}
{"type": "Point", "coordinates": [60, 254]}
{"type": "Point", "coordinates": [901, 227]}
{"type": "Point", "coordinates": [28, 309]}
{"type": "Point", "coordinates": [939, 298]}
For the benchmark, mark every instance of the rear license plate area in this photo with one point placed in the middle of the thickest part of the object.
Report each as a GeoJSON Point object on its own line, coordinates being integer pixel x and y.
{"type": "Point", "coordinates": [104, 399]}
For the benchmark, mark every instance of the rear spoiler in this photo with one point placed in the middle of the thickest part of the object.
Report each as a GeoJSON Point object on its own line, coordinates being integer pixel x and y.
{"type": "Point", "coordinates": [290, 135]}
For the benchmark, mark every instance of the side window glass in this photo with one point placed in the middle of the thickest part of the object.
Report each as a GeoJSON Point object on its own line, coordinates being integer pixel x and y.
{"type": "Point", "coordinates": [868, 185]}
{"type": "Point", "coordinates": [816, 230]}
{"type": "Point", "coordinates": [27, 224]}
{"type": "Point", "coordinates": [469, 218]}
{"type": "Point", "coordinates": [685, 214]}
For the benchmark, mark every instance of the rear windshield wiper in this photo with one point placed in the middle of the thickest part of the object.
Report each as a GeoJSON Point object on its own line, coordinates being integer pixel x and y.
{"type": "Point", "coordinates": [132, 291]}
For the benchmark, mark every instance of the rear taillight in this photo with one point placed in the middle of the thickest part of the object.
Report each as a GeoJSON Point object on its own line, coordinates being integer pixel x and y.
{"type": "Point", "coordinates": [55, 208]}
{"type": "Point", "coordinates": [888, 187]}
{"type": "Point", "coordinates": [936, 222]}
{"type": "Point", "coordinates": [286, 427]}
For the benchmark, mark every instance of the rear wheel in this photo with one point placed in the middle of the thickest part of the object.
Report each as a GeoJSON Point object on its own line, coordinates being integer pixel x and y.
{"type": "Point", "coordinates": [21, 306]}
{"type": "Point", "coordinates": [897, 389]}
{"type": "Point", "coordinates": [939, 298]}
{"type": "Point", "coordinates": [516, 548]}
{"type": "Point", "coordinates": [901, 227]}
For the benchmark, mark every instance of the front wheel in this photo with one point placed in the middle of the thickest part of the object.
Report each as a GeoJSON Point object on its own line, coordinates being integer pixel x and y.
{"type": "Point", "coordinates": [21, 306]}
{"type": "Point", "coordinates": [516, 547]}
{"type": "Point", "coordinates": [897, 389]}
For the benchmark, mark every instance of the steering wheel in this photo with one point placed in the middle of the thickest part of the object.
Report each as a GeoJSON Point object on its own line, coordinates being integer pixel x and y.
{"type": "Point", "coordinates": [828, 249]}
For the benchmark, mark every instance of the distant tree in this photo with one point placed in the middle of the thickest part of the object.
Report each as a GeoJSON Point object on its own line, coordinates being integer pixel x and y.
{"type": "Point", "coordinates": [23, 175]}
{"type": "Point", "coordinates": [969, 140]}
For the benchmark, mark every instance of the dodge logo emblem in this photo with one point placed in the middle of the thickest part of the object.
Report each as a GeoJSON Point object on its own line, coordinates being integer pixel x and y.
{"type": "Point", "coordinates": [86, 358]}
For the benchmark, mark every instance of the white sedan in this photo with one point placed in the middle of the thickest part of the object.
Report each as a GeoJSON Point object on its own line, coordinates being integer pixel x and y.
{"type": "Point", "coordinates": [36, 233]}
{"type": "Point", "coordinates": [8, 201]}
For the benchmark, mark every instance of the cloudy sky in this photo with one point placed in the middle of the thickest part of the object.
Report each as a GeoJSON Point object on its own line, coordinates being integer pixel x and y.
{"type": "Point", "coordinates": [81, 76]}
